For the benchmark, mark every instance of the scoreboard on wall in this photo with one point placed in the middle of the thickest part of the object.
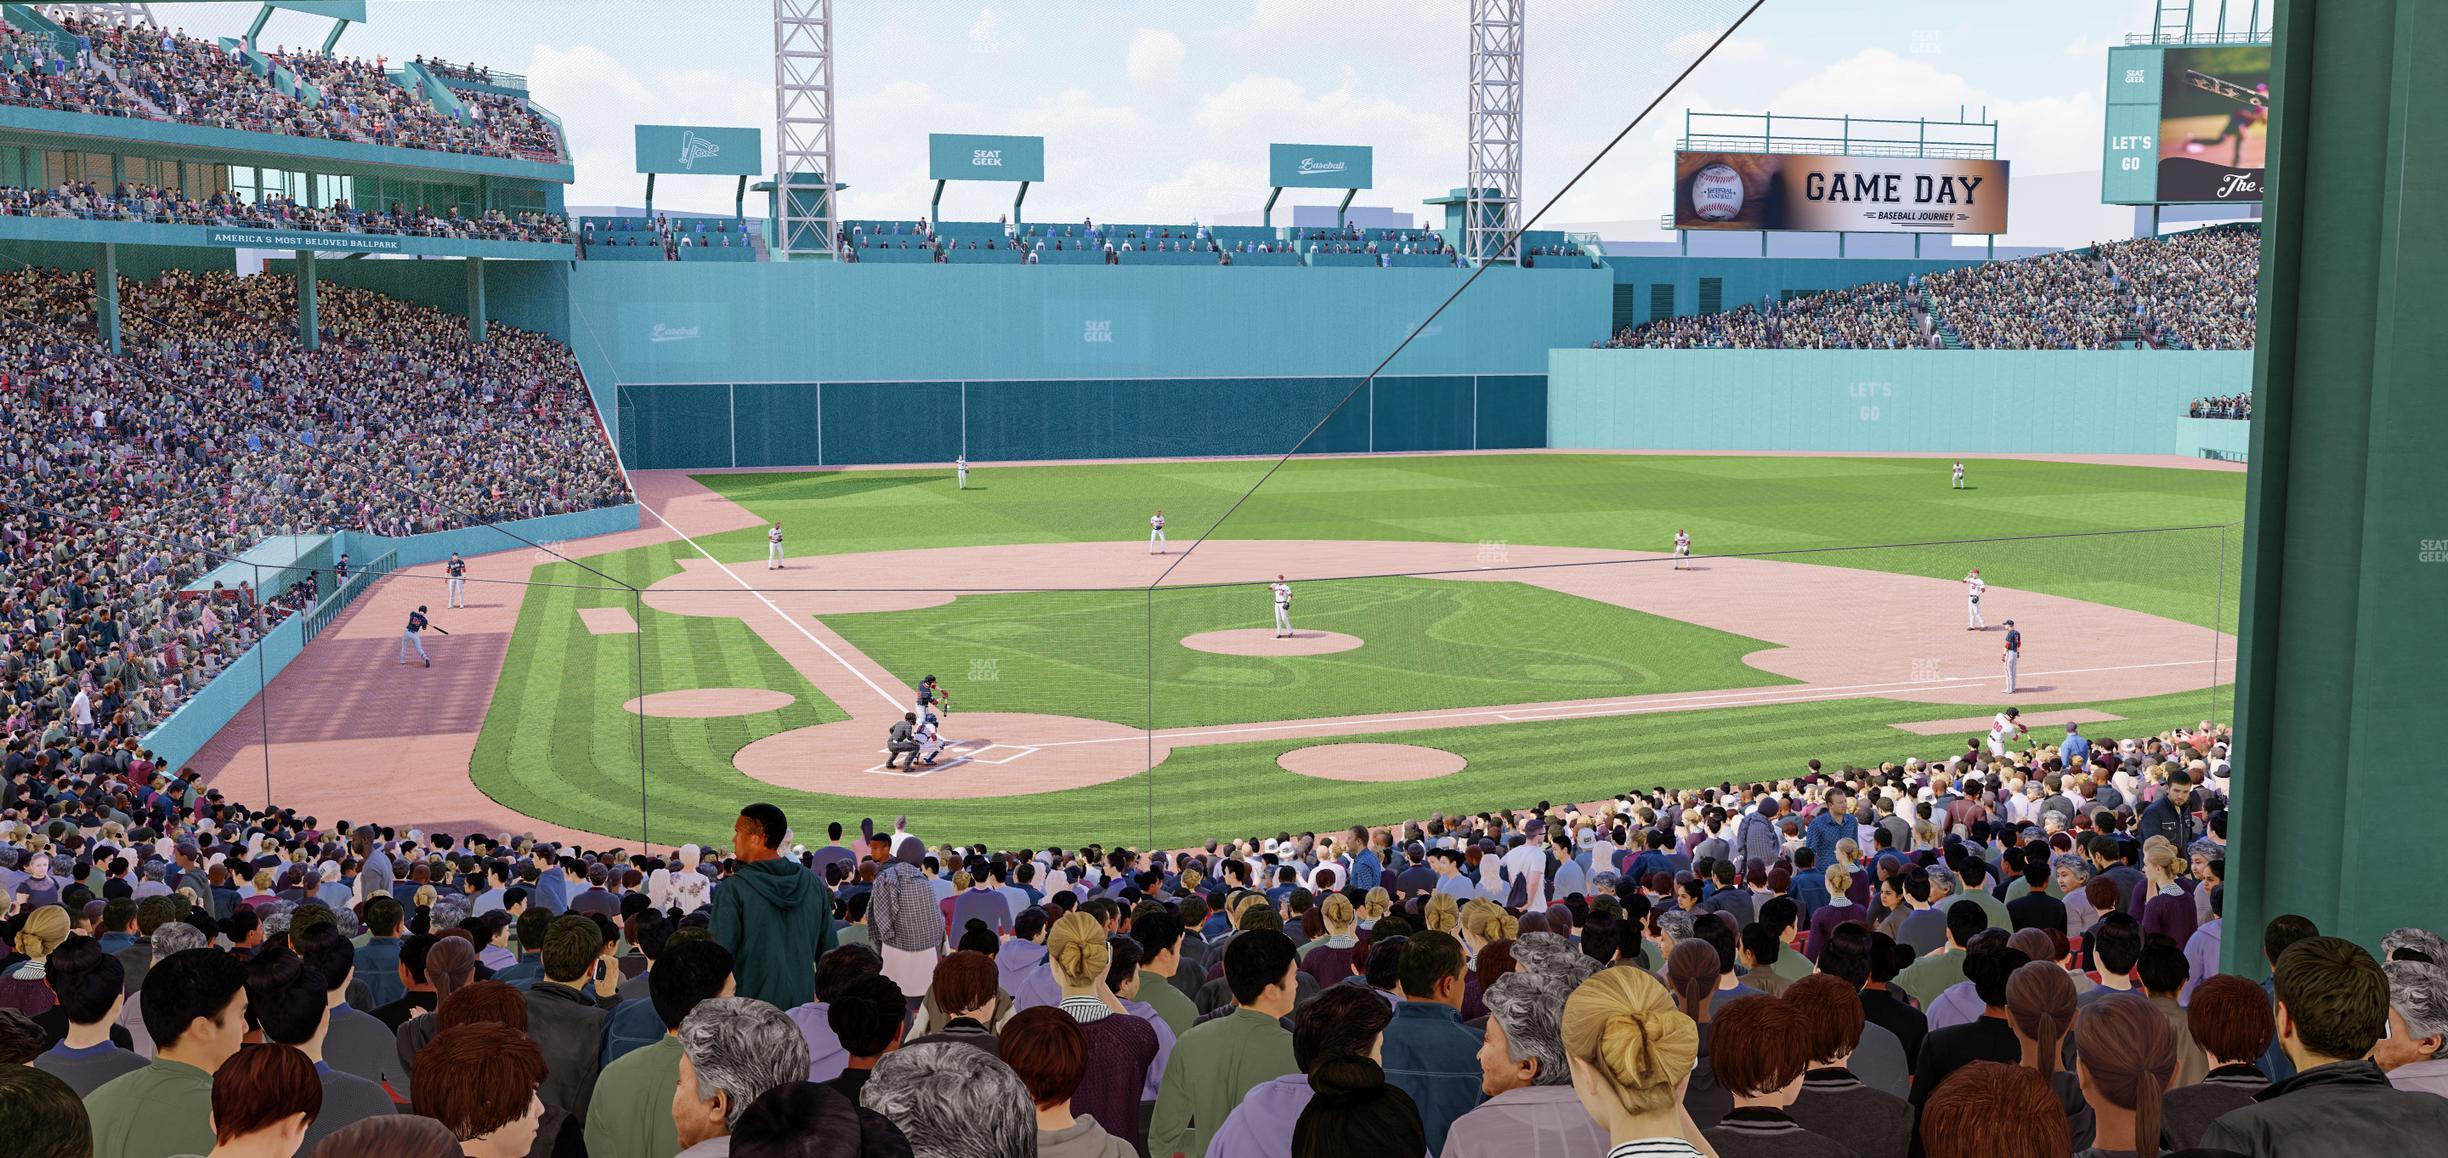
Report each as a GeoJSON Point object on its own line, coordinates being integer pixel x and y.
{"type": "Point", "coordinates": [2186, 124]}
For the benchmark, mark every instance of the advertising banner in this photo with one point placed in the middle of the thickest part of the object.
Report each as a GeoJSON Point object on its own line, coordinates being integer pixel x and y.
{"type": "Point", "coordinates": [1320, 166]}
{"type": "Point", "coordinates": [2214, 108]}
{"type": "Point", "coordinates": [972, 157]}
{"type": "Point", "coordinates": [1813, 192]}
{"type": "Point", "coordinates": [702, 150]}
{"type": "Point", "coordinates": [284, 239]}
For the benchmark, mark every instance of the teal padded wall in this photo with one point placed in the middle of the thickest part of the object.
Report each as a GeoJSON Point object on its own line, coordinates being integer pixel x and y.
{"type": "Point", "coordinates": [1511, 412]}
{"type": "Point", "coordinates": [696, 426]}
{"type": "Point", "coordinates": [1947, 401]}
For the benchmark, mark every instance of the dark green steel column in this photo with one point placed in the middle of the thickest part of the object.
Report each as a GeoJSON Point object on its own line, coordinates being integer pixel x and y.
{"type": "Point", "coordinates": [2344, 665]}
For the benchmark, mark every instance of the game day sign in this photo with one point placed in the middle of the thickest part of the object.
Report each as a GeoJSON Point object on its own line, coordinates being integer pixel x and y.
{"type": "Point", "coordinates": [1802, 191]}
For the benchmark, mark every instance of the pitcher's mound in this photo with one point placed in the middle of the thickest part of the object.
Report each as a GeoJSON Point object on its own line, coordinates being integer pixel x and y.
{"type": "Point", "coordinates": [702, 703]}
{"type": "Point", "coordinates": [1371, 762]}
{"type": "Point", "coordinates": [1263, 641]}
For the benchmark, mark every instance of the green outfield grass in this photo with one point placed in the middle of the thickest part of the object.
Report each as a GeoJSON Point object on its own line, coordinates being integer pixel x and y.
{"type": "Point", "coordinates": [557, 745]}
{"type": "Point", "coordinates": [1730, 504]}
{"type": "Point", "coordinates": [1428, 643]}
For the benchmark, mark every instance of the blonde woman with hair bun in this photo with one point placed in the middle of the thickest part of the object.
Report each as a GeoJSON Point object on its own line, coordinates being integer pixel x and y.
{"type": "Point", "coordinates": [1483, 924]}
{"type": "Point", "coordinates": [1631, 1054]}
{"type": "Point", "coordinates": [1374, 908]}
{"type": "Point", "coordinates": [1121, 1047]}
{"type": "Point", "coordinates": [1330, 960]}
{"type": "Point", "coordinates": [1443, 915]}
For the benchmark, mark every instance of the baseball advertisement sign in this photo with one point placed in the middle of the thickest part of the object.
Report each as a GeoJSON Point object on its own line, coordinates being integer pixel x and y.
{"type": "Point", "coordinates": [1812, 192]}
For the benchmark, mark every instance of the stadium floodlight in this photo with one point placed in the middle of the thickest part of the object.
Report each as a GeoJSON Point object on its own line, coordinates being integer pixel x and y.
{"type": "Point", "coordinates": [1492, 200]}
{"type": "Point", "coordinates": [804, 182]}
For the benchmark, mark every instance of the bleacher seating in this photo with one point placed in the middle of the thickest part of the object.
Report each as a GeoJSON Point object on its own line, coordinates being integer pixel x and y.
{"type": "Point", "coordinates": [137, 70]}
{"type": "Point", "coordinates": [1268, 257]}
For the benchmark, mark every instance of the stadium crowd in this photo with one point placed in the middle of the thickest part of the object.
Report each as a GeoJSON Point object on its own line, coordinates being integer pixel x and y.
{"type": "Point", "coordinates": [2229, 406]}
{"type": "Point", "coordinates": [2011, 952]}
{"type": "Point", "coordinates": [126, 478]}
{"type": "Point", "coordinates": [2188, 291]}
{"type": "Point", "coordinates": [134, 69]}
{"type": "Point", "coordinates": [164, 206]}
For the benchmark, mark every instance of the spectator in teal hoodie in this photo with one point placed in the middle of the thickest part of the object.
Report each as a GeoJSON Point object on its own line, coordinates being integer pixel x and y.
{"type": "Point", "coordinates": [774, 916]}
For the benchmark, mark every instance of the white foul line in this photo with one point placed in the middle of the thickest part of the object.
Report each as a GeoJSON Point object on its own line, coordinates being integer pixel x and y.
{"type": "Point", "coordinates": [776, 608]}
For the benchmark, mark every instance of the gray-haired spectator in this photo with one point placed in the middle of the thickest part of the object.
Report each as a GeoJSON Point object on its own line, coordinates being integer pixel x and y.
{"type": "Point", "coordinates": [1553, 955]}
{"type": "Point", "coordinates": [2412, 944]}
{"type": "Point", "coordinates": [732, 1050]}
{"type": "Point", "coordinates": [1531, 1105]}
{"type": "Point", "coordinates": [2414, 1051]}
{"type": "Point", "coordinates": [952, 1101]}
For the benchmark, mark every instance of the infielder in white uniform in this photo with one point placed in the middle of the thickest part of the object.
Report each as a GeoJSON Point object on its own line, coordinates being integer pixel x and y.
{"type": "Point", "coordinates": [961, 466]}
{"type": "Point", "coordinates": [773, 548]}
{"type": "Point", "coordinates": [1283, 608]}
{"type": "Point", "coordinates": [457, 570]}
{"type": "Point", "coordinates": [1156, 539]}
{"type": "Point", "coordinates": [1972, 593]}
{"type": "Point", "coordinates": [1959, 474]}
{"type": "Point", "coordinates": [1682, 547]}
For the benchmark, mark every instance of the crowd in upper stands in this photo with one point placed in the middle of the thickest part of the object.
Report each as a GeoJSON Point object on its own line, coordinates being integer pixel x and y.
{"type": "Point", "coordinates": [1865, 317]}
{"type": "Point", "coordinates": [150, 203]}
{"type": "Point", "coordinates": [2011, 952]}
{"type": "Point", "coordinates": [2229, 406]}
{"type": "Point", "coordinates": [136, 70]}
{"type": "Point", "coordinates": [663, 234]}
{"type": "Point", "coordinates": [126, 478]}
{"type": "Point", "coordinates": [481, 74]}
{"type": "Point", "coordinates": [2188, 291]}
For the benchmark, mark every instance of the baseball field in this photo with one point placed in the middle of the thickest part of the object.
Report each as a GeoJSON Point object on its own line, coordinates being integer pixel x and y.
{"type": "Point", "coordinates": [1469, 632]}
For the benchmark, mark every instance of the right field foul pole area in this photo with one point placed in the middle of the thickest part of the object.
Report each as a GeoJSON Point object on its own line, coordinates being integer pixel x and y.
{"type": "Point", "coordinates": [1889, 401]}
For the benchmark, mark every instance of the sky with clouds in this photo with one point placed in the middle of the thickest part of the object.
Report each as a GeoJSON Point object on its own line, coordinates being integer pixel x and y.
{"type": "Point", "coordinates": [1162, 112]}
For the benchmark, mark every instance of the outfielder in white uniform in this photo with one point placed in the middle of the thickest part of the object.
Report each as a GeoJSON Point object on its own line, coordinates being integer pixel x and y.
{"type": "Point", "coordinates": [1156, 539]}
{"type": "Point", "coordinates": [1682, 547]}
{"type": "Point", "coordinates": [961, 465]}
{"type": "Point", "coordinates": [1283, 608]}
{"type": "Point", "coordinates": [1972, 593]}
{"type": "Point", "coordinates": [1959, 474]}
{"type": "Point", "coordinates": [773, 548]}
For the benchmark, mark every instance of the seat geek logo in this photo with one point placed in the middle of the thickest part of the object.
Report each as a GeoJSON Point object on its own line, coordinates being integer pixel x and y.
{"type": "Point", "coordinates": [985, 158]}
{"type": "Point", "coordinates": [1097, 332]}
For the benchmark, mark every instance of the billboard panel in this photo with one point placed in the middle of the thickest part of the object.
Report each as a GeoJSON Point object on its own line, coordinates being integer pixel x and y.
{"type": "Point", "coordinates": [2129, 159]}
{"type": "Point", "coordinates": [703, 150]}
{"type": "Point", "coordinates": [2214, 123]}
{"type": "Point", "coordinates": [2133, 76]}
{"type": "Point", "coordinates": [1803, 191]}
{"type": "Point", "coordinates": [1320, 166]}
{"type": "Point", "coordinates": [974, 157]}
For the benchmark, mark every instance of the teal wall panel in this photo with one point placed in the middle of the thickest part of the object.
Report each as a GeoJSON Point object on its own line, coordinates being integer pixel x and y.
{"type": "Point", "coordinates": [1122, 418]}
{"type": "Point", "coordinates": [1420, 413]}
{"type": "Point", "coordinates": [1960, 401]}
{"type": "Point", "coordinates": [1511, 412]}
{"type": "Point", "coordinates": [2220, 437]}
{"type": "Point", "coordinates": [891, 421]}
{"type": "Point", "coordinates": [675, 425]}
{"type": "Point", "coordinates": [822, 321]}
{"type": "Point", "coordinates": [1753, 280]}
{"type": "Point", "coordinates": [777, 422]}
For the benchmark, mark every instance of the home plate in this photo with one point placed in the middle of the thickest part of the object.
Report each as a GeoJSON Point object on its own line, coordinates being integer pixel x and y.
{"type": "Point", "coordinates": [953, 754]}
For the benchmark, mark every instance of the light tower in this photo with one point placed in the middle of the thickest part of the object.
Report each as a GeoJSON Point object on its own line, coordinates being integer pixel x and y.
{"type": "Point", "coordinates": [804, 182]}
{"type": "Point", "coordinates": [1492, 199]}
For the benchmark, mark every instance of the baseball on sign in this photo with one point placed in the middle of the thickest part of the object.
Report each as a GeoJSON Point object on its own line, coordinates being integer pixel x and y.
{"type": "Point", "coordinates": [1717, 192]}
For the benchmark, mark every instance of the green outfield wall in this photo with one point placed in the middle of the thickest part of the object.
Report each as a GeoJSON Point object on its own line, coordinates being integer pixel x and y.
{"type": "Point", "coordinates": [1875, 401]}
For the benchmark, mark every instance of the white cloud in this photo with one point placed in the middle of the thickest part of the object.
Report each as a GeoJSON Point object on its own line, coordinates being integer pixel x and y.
{"type": "Point", "coordinates": [600, 99]}
{"type": "Point", "coordinates": [1154, 59]}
